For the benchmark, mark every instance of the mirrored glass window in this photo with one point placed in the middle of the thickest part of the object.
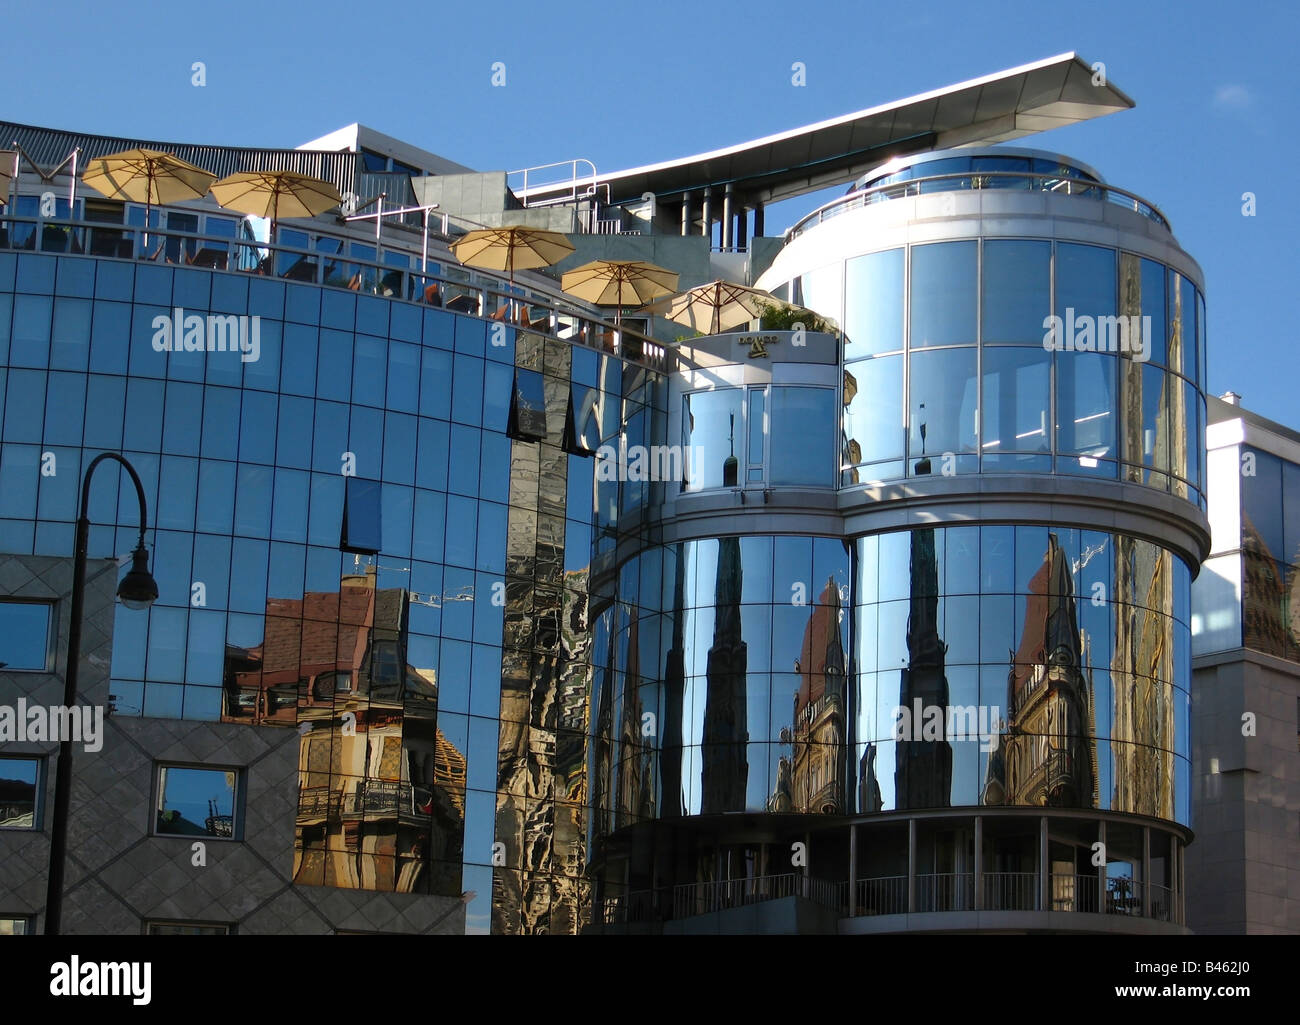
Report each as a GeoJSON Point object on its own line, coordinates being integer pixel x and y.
{"type": "Point", "coordinates": [25, 635]}
{"type": "Point", "coordinates": [1017, 296]}
{"type": "Point", "coordinates": [873, 304]}
{"type": "Point", "coordinates": [197, 802]}
{"type": "Point", "coordinates": [361, 517]}
{"type": "Point", "coordinates": [943, 294]}
{"type": "Point", "coordinates": [19, 792]}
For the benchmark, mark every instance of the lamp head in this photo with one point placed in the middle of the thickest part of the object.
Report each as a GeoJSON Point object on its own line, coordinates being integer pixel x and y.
{"type": "Point", "coordinates": [138, 589]}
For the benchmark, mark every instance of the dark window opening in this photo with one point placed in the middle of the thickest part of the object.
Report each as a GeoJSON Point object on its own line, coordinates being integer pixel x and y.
{"type": "Point", "coordinates": [527, 421]}
{"type": "Point", "coordinates": [362, 532]}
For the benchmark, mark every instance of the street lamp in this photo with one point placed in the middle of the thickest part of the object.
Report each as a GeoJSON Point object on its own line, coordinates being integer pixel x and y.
{"type": "Point", "coordinates": [138, 590]}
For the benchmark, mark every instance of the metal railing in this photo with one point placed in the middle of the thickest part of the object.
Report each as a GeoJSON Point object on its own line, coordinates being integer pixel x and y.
{"type": "Point", "coordinates": [463, 290]}
{"type": "Point", "coordinates": [945, 891]}
{"type": "Point", "coordinates": [965, 180]}
{"type": "Point", "coordinates": [1123, 896]}
{"type": "Point", "coordinates": [1075, 892]}
{"type": "Point", "coordinates": [1011, 891]}
{"type": "Point", "coordinates": [1162, 903]}
{"type": "Point", "coordinates": [883, 895]}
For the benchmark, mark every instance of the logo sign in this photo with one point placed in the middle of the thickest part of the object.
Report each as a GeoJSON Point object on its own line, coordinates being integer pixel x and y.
{"type": "Point", "coordinates": [757, 344]}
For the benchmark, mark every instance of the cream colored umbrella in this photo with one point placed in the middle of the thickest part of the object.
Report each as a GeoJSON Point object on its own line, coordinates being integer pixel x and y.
{"type": "Point", "coordinates": [275, 194]}
{"type": "Point", "coordinates": [147, 176]}
{"type": "Point", "coordinates": [511, 247]}
{"type": "Point", "coordinates": [619, 283]}
{"type": "Point", "coordinates": [716, 307]}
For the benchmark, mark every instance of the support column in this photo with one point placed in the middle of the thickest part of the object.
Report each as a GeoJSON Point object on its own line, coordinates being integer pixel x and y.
{"type": "Point", "coordinates": [1101, 869]}
{"type": "Point", "coordinates": [686, 213]}
{"type": "Point", "coordinates": [979, 862]}
{"type": "Point", "coordinates": [1044, 869]}
{"type": "Point", "coordinates": [853, 869]}
{"type": "Point", "coordinates": [707, 230]}
{"type": "Point", "coordinates": [758, 219]}
{"type": "Point", "coordinates": [728, 213]}
{"type": "Point", "coordinates": [742, 228]}
{"type": "Point", "coordinates": [911, 866]}
{"type": "Point", "coordinates": [1146, 871]}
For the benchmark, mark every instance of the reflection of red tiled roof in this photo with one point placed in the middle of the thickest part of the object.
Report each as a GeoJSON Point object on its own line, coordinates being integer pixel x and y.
{"type": "Point", "coordinates": [322, 631]}
{"type": "Point", "coordinates": [822, 625]}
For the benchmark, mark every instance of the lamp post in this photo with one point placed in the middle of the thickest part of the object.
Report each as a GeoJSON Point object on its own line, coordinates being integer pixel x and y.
{"type": "Point", "coordinates": [138, 590]}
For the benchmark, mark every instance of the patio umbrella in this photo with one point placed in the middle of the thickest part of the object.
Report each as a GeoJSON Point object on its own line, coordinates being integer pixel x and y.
{"type": "Point", "coordinates": [619, 283]}
{"type": "Point", "coordinates": [716, 307]}
{"type": "Point", "coordinates": [511, 247]}
{"type": "Point", "coordinates": [147, 176]}
{"type": "Point", "coordinates": [275, 194]}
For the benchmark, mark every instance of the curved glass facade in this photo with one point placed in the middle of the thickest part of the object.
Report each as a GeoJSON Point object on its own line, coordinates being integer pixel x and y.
{"type": "Point", "coordinates": [1051, 663]}
{"type": "Point", "coordinates": [1016, 355]}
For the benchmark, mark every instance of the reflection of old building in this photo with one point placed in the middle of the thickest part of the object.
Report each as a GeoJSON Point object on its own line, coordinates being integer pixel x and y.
{"type": "Point", "coordinates": [726, 733]}
{"type": "Point", "coordinates": [923, 776]}
{"type": "Point", "coordinates": [1141, 673]}
{"type": "Point", "coordinates": [381, 791]}
{"type": "Point", "coordinates": [1047, 752]}
{"type": "Point", "coordinates": [812, 779]}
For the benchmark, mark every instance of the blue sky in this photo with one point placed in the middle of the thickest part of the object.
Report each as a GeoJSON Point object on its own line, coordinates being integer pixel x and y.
{"type": "Point", "coordinates": [1216, 87]}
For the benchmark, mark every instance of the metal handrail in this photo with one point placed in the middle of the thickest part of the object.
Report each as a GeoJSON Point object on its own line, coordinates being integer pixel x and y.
{"type": "Point", "coordinates": [494, 298]}
{"type": "Point", "coordinates": [913, 187]}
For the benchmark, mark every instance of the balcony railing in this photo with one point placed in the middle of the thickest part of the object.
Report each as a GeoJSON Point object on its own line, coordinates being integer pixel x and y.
{"type": "Point", "coordinates": [398, 276]}
{"type": "Point", "coordinates": [962, 181]}
{"type": "Point", "coordinates": [945, 891]}
{"type": "Point", "coordinates": [883, 895]}
{"type": "Point", "coordinates": [1011, 891]}
{"type": "Point", "coordinates": [1075, 892]}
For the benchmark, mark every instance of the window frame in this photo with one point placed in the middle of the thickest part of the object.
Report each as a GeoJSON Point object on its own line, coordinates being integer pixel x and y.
{"type": "Point", "coordinates": [38, 800]}
{"type": "Point", "coordinates": [236, 807]}
{"type": "Point", "coordinates": [51, 630]}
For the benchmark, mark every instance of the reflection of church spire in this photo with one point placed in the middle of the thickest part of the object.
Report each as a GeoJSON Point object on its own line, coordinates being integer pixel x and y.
{"type": "Point", "coordinates": [730, 465]}
{"type": "Point", "coordinates": [726, 766]}
{"type": "Point", "coordinates": [924, 767]}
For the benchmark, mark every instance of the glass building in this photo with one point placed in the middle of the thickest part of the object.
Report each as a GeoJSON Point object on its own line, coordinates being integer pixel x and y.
{"type": "Point", "coordinates": [479, 613]}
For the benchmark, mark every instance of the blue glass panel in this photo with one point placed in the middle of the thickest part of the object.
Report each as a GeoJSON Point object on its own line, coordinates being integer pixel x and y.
{"type": "Point", "coordinates": [494, 467]}
{"type": "Point", "coordinates": [253, 501]}
{"type": "Point", "coordinates": [266, 298]}
{"type": "Point", "coordinates": [146, 323]}
{"type": "Point", "coordinates": [943, 294]}
{"type": "Point", "coordinates": [405, 322]}
{"type": "Point", "coordinates": [6, 317]}
{"type": "Point", "coordinates": [144, 415]}
{"type": "Point", "coordinates": [293, 445]}
{"type": "Point", "coordinates": [464, 462]}
{"type": "Point", "coordinates": [257, 428]}
{"type": "Point", "coordinates": [334, 366]}
{"type": "Point", "coordinates": [220, 423]}
{"type": "Point", "coordinates": [372, 315]}
{"type": "Point", "coordinates": [65, 406]}
{"type": "Point", "coordinates": [164, 700]}
{"type": "Point", "coordinates": [153, 284]}
{"type": "Point", "coordinates": [248, 559]}
{"type": "Point", "coordinates": [429, 525]}
{"type": "Point", "coordinates": [76, 277]}
{"type": "Point", "coordinates": [30, 342]}
{"type": "Point", "coordinates": [435, 384]}
{"type": "Point", "coordinates": [288, 568]}
{"type": "Point", "coordinates": [397, 502]}
{"type": "Point", "coordinates": [467, 391]}
{"type": "Point", "coordinates": [403, 378]}
{"type": "Point", "coordinates": [166, 657]}
{"type": "Point", "coordinates": [369, 370]}
{"type": "Point", "coordinates": [230, 295]}
{"type": "Point", "coordinates": [302, 304]}
{"type": "Point", "coordinates": [183, 419]}
{"type": "Point", "coordinates": [873, 304]}
{"type": "Point", "coordinates": [326, 509]}
{"type": "Point", "coordinates": [70, 348]}
{"type": "Point", "coordinates": [492, 519]}
{"type": "Point", "coordinates": [365, 440]}
{"type": "Point", "coordinates": [498, 379]}
{"type": "Point", "coordinates": [261, 368]}
{"type": "Point", "coordinates": [338, 310]}
{"type": "Point", "coordinates": [36, 274]}
{"type": "Point", "coordinates": [178, 488]}
{"type": "Point", "coordinates": [58, 490]}
{"type": "Point", "coordinates": [1017, 296]}
{"type": "Point", "coordinates": [298, 371]}
{"type": "Point", "coordinates": [361, 517]}
{"type": "Point", "coordinates": [803, 436]}
{"type": "Point", "coordinates": [114, 280]}
{"type": "Point", "coordinates": [330, 438]}
{"type": "Point", "coordinates": [432, 454]}
{"type": "Point", "coordinates": [289, 507]}
{"type": "Point", "coordinates": [439, 329]}
{"type": "Point", "coordinates": [130, 641]}
{"type": "Point", "coordinates": [471, 336]}
{"type": "Point", "coordinates": [212, 568]}
{"type": "Point", "coordinates": [400, 434]}
{"type": "Point", "coordinates": [461, 521]}
{"type": "Point", "coordinates": [110, 337]}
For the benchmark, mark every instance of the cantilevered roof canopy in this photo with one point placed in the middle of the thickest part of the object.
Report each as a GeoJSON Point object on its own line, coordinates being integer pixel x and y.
{"type": "Point", "coordinates": [996, 108]}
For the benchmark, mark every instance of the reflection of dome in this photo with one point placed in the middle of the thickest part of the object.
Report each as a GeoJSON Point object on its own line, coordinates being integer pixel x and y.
{"type": "Point", "coordinates": [850, 387]}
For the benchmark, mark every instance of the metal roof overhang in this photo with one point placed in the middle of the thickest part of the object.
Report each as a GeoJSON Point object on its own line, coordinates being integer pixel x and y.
{"type": "Point", "coordinates": [996, 108]}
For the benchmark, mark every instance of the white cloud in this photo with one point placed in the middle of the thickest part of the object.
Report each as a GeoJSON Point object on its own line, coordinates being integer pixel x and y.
{"type": "Point", "coordinates": [1233, 97]}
